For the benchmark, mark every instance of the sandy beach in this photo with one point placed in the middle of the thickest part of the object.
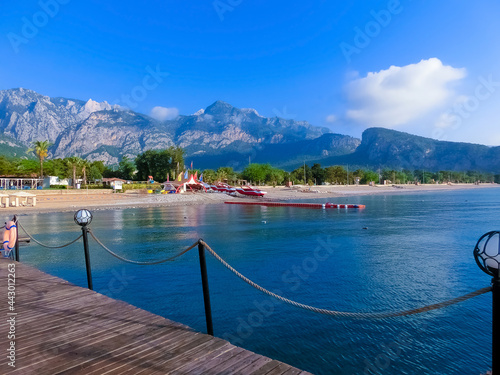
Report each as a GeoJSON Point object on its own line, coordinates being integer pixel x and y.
{"type": "Point", "coordinates": [72, 200]}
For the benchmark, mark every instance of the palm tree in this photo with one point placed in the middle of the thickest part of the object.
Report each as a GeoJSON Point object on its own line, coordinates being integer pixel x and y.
{"type": "Point", "coordinates": [85, 164]}
{"type": "Point", "coordinates": [41, 150]}
{"type": "Point", "coordinates": [74, 162]}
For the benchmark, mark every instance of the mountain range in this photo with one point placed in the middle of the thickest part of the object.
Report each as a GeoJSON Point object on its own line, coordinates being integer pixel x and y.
{"type": "Point", "coordinates": [220, 135]}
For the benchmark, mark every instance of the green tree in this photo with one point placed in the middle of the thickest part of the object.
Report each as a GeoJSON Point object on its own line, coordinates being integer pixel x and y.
{"type": "Point", "coordinates": [27, 167]}
{"type": "Point", "coordinates": [41, 149]}
{"type": "Point", "coordinates": [7, 167]}
{"type": "Point", "coordinates": [126, 168]}
{"type": "Point", "coordinates": [159, 163]}
{"type": "Point", "coordinates": [297, 175]}
{"type": "Point", "coordinates": [75, 164]}
{"type": "Point", "coordinates": [275, 176]}
{"type": "Point", "coordinates": [336, 174]}
{"type": "Point", "coordinates": [56, 167]}
{"type": "Point", "coordinates": [256, 172]}
{"type": "Point", "coordinates": [209, 176]}
{"type": "Point", "coordinates": [369, 176]}
{"type": "Point", "coordinates": [94, 173]}
{"type": "Point", "coordinates": [99, 165]}
{"type": "Point", "coordinates": [226, 173]}
{"type": "Point", "coordinates": [318, 174]}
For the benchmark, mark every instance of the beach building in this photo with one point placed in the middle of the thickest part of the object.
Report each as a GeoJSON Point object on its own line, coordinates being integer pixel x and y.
{"type": "Point", "coordinates": [12, 183]}
{"type": "Point", "coordinates": [55, 180]}
{"type": "Point", "coordinates": [114, 182]}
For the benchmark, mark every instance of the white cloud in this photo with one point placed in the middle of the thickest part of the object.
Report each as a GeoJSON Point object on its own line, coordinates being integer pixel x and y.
{"type": "Point", "coordinates": [331, 119]}
{"type": "Point", "coordinates": [399, 95]}
{"type": "Point", "coordinates": [163, 113]}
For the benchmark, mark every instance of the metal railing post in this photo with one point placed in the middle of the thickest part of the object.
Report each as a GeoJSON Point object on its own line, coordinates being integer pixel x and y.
{"type": "Point", "coordinates": [206, 293]}
{"type": "Point", "coordinates": [496, 324]}
{"type": "Point", "coordinates": [16, 250]}
{"type": "Point", "coordinates": [87, 256]}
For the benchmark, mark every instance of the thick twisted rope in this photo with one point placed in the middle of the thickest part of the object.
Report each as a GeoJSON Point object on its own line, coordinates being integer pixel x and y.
{"type": "Point", "coordinates": [141, 263]}
{"type": "Point", "coordinates": [357, 315]}
{"type": "Point", "coordinates": [48, 246]}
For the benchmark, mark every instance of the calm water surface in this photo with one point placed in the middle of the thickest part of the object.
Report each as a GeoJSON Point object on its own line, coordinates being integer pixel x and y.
{"type": "Point", "coordinates": [416, 250]}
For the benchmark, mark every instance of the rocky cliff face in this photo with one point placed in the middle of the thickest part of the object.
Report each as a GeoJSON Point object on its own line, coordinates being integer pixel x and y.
{"type": "Point", "coordinates": [99, 131]}
{"type": "Point", "coordinates": [384, 147]}
{"type": "Point", "coordinates": [217, 136]}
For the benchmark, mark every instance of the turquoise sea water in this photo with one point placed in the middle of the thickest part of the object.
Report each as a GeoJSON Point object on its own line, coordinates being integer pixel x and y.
{"type": "Point", "coordinates": [416, 250]}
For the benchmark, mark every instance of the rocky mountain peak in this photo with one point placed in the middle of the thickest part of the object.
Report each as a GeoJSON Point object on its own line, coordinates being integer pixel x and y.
{"type": "Point", "coordinates": [98, 131]}
{"type": "Point", "coordinates": [219, 108]}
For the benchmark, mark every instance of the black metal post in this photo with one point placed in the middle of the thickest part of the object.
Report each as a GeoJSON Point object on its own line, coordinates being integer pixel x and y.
{"type": "Point", "coordinates": [206, 293]}
{"type": "Point", "coordinates": [496, 324]}
{"type": "Point", "coordinates": [16, 250]}
{"type": "Point", "coordinates": [87, 256]}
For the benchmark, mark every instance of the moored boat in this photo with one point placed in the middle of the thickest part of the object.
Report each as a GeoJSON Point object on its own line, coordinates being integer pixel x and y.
{"type": "Point", "coordinates": [224, 188]}
{"type": "Point", "coordinates": [251, 191]}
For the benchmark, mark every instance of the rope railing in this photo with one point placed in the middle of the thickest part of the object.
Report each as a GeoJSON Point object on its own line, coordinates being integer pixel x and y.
{"type": "Point", "coordinates": [346, 314]}
{"type": "Point", "coordinates": [202, 245]}
{"type": "Point", "coordinates": [45, 245]}
{"type": "Point", "coordinates": [357, 315]}
{"type": "Point", "coordinates": [141, 263]}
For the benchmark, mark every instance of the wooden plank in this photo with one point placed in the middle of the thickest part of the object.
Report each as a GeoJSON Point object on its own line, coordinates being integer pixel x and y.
{"type": "Point", "coordinates": [149, 361]}
{"type": "Point", "coordinates": [83, 327]}
{"type": "Point", "coordinates": [253, 358]}
{"type": "Point", "coordinates": [174, 354]}
{"type": "Point", "coordinates": [292, 371]}
{"type": "Point", "coordinates": [253, 366]}
{"type": "Point", "coordinates": [85, 349]}
{"type": "Point", "coordinates": [188, 368]}
{"type": "Point", "coordinates": [59, 344]}
{"type": "Point", "coordinates": [213, 363]}
{"type": "Point", "coordinates": [65, 329]}
{"type": "Point", "coordinates": [233, 361]}
{"type": "Point", "coordinates": [279, 370]}
{"type": "Point", "coordinates": [267, 367]}
{"type": "Point", "coordinates": [158, 339]}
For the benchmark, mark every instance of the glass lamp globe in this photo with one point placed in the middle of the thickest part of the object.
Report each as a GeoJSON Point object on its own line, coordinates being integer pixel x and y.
{"type": "Point", "coordinates": [83, 217]}
{"type": "Point", "coordinates": [487, 253]}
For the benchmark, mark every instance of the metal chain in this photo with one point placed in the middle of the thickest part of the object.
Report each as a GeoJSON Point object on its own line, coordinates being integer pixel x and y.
{"type": "Point", "coordinates": [357, 315]}
{"type": "Point", "coordinates": [48, 246]}
{"type": "Point", "coordinates": [141, 263]}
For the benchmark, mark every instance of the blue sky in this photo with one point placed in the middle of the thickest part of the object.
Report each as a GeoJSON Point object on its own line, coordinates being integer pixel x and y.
{"type": "Point", "coordinates": [429, 68]}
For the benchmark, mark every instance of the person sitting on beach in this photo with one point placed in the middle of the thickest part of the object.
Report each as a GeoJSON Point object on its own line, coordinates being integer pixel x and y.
{"type": "Point", "coordinates": [9, 238]}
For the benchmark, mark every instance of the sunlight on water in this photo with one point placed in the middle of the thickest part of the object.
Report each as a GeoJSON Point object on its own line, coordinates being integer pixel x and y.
{"type": "Point", "coordinates": [415, 250]}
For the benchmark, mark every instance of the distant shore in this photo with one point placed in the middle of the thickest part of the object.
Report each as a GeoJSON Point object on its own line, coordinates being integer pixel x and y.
{"type": "Point", "coordinates": [98, 201]}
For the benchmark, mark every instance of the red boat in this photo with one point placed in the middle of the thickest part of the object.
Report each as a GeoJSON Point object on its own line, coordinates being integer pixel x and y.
{"type": "Point", "coordinates": [223, 188]}
{"type": "Point", "coordinates": [251, 191]}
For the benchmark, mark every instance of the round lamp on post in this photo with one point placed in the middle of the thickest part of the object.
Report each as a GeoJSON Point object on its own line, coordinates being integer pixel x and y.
{"type": "Point", "coordinates": [487, 255]}
{"type": "Point", "coordinates": [84, 218]}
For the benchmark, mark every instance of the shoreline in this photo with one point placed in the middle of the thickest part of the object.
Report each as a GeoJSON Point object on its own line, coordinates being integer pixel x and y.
{"type": "Point", "coordinates": [57, 202]}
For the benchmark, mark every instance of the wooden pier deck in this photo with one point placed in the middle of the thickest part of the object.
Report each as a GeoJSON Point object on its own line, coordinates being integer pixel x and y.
{"type": "Point", "coordinates": [64, 329]}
